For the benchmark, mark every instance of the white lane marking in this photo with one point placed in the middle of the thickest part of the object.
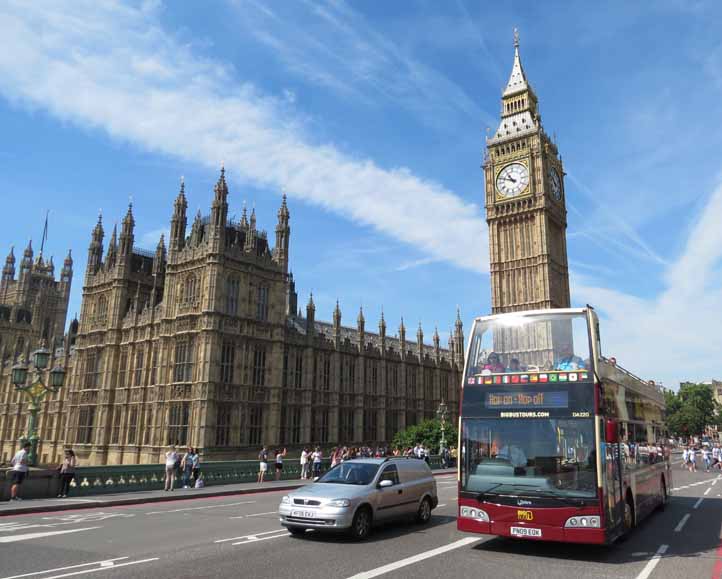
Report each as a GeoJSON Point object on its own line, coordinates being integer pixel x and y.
{"type": "Point", "coordinates": [257, 539]}
{"type": "Point", "coordinates": [415, 559]}
{"type": "Point", "coordinates": [102, 568]}
{"type": "Point", "coordinates": [652, 563]}
{"type": "Point", "coordinates": [698, 503]}
{"type": "Point", "coordinates": [251, 535]}
{"type": "Point", "coordinates": [707, 491]}
{"type": "Point", "coordinates": [714, 482]}
{"type": "Point", "coordinates": [439, 506]}
{"type": "Point", "coordinates": [201, 508]}
{"type": "Point", "coordinates": [682, 523]}
{"type": "Point", "coordinates": [105, 562]}
{"type": "Point", "coordinates": [255, 515]}
{"type": "Point", "coordinates": [640, 553]}
{"type": "Point", "coordinates": [28, 536]}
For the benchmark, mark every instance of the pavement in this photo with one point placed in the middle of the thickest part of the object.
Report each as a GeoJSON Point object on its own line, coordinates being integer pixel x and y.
{"type": "Point", "coordinates": [240, 536]}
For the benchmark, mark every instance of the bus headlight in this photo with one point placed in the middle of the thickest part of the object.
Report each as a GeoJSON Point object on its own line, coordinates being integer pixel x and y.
{"type": "Point", "coordinates": [474, 513]}
{"type": "Point", "coordinates": [583, 522]}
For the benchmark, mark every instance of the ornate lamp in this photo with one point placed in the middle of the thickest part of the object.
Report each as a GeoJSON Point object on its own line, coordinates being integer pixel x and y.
{"type": "Point", "coordinates": [41, 356]}
{"type": "Point", "coordinates": [57, 377]}
{"type": "Point", "coordinates": [19, 374]}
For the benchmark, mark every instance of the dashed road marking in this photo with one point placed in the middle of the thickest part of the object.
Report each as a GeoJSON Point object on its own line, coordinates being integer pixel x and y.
{"type": "Point", "coordinates": [253, 535]}
{"type": "Point", "coordinates": [255, 515]}
{"type": "Point", "coordinates": [201, 508]}
{"type": "Point", "coordinates": [698, 503]}
{"type": "Point", "coordinates": [101, 563]}
{"type": "Point", "coordinates": [653, 562]}
{"type": "Point", "coordinates": [415, 559]}
{"type": "Point", "coordinates": [707, 491]}
{"type": "Point", "coordinates": [682, 523]}
{"type": "Point", "coordinates": [28, 536]}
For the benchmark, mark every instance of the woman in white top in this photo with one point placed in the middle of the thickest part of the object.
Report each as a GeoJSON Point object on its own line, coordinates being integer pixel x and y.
{"type": "Point", "coordinates": [304, 463]}
{"type": "Point", "coordinates": [171, 458]}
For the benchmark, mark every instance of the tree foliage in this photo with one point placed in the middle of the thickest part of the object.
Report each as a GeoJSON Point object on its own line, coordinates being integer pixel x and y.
{"type": "Point", "coordinates": [691, 409]}
{"type": "Point", "coordinates": [427, 433]}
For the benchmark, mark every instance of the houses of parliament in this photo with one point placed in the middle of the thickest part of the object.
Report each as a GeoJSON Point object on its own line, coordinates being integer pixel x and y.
{"type": "Point", "coordinates": [201, 342]}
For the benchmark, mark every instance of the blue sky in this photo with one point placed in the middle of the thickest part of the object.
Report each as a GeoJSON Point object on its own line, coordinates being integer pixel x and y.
{"type": "Point", "coordinates": [372, 117]}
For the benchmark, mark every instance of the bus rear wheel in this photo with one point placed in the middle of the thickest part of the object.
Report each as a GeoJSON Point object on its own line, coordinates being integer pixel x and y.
{"type": "Point", "coordinates": [628, 514]}
{"type": "Point", "coordinates": [665, 496]}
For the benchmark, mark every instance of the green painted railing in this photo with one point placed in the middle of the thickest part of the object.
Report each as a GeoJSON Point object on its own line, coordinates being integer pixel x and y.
{"type": "Point", "coordinates": [98, 480]}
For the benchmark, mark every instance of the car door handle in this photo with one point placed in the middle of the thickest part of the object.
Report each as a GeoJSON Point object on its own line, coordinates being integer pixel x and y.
{"type": "Point", "coordinates": [400, 491]}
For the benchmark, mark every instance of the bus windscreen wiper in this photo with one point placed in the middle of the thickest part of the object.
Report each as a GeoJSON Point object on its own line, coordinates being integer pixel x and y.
{"type": "Point", "coordinates": [482, 496]}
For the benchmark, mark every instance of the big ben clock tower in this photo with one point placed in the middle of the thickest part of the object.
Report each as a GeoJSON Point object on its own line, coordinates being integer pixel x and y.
{"type": "Point", "coordinates": [525, 205]}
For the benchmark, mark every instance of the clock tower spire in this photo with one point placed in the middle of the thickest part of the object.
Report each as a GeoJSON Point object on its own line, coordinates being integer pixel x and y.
{"type": "Point", "coordinates": [525, 205]}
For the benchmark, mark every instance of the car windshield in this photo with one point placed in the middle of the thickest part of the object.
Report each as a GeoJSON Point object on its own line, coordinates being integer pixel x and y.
{"type": "Point", "coordinates": [515, 343]}
{"type": "Point", "coordinates": [351, 473]}
{"type": "Point", "coordinates": [544, 457]}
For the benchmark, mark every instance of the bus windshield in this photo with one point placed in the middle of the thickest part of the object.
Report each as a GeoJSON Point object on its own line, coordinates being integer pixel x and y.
{"type": "Point", "coordinates": [539, 457]}
{"type": "Point", "coordinates": [529, 343]}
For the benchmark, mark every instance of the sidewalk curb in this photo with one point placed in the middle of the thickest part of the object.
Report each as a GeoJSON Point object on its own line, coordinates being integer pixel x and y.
{"type": "Point", "coordinates": [166, 498]}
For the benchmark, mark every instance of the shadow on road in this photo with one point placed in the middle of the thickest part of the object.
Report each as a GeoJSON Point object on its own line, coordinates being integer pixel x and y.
{"type": "Point", "coordinates": [382, 532]}
{"type": "Point", "coordinates": [701, 535]}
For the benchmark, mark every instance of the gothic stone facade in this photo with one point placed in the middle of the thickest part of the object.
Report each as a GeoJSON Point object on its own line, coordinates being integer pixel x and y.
{"type": "Point", "coordinates": [33, 310]}
{"type": "Point", "coordinates": [525, 205]}
{"type": "Point", "coordinates": [201, 344]}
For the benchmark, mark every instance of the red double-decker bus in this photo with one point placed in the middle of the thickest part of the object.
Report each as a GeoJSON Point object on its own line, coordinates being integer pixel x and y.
{"type": "Point", "coordinates": [556, 441]}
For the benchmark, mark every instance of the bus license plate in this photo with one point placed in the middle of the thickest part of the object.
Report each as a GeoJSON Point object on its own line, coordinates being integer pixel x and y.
{"type": "Point", "coordinates": [302, 514]}
{"type": "Point", "coordinates": [525, 532]}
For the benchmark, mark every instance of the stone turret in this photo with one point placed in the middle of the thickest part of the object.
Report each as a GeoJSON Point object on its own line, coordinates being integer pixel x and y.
{"type": "Point", "coordinates": [179, 221]}
{"type": "Point", "coordinates": [361, 324]}
{"type": "Point", "coordinates": [283, 235]}
{"type": "Point", "coordinates": [127, 237]}
{"type": "Point", "coordinates": [111, 255]}
{"type": "Point", "coordinates": [310, 317]}
{"type": "Point", "coordinates": [219, 212]}
{"type": "Point", "coordinates": [9, 269]}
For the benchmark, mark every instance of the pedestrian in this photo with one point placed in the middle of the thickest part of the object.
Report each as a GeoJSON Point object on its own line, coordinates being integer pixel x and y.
{"type": "Point", "coordinates": [692, 460]}
{"type": "Point", "coordinates": [335, 457]}
{"type": "Point", "coordinates": [715, 456]}
{"type": "Point", "coordinates": [305, 455]}
{"type": "Point", "coordinates": [67, 472]}
{"type": "Point", "coordinates": [196, 470]}
{"type": "Point", "coordinates": [279, 462]}
{"type": "Point", "coordinates": [263, 464]}
{"type": "Point", "coordinates": [187, 467]}
{"type": "Point", "coordinates": [171, 460]}
{"type": "Point", "coordinates": [20, 470]}
{"type": "Point", "coordinates": [317, 456]}
{"type": "Point", "coordinates": [706, 458]}
{"type": "Point", "coordinates": [685, 458]}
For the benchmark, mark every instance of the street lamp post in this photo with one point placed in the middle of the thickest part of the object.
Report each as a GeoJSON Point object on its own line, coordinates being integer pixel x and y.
{"type": "Point", "coordinates": [35, 391]}
{"type": "Point", "coordinates": [442, 412]}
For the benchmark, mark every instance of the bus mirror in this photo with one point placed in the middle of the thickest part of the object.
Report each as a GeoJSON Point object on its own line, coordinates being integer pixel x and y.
{"type": "Point", "coordinates": [610, 434]}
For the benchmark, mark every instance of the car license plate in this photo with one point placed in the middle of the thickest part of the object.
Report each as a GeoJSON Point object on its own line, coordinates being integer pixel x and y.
{"type": "Point", "coordinates": [303, 514]}
{"type": "Point", "coordinates": [525, 532]}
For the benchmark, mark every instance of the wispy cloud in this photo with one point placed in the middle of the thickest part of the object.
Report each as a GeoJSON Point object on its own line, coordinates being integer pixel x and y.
{"type": "Point", "coordinates": [674, 335]}
{"type": "Point", "coordinates": [113, 67]}
{"type": "Point", "coordinates": [334, 46]}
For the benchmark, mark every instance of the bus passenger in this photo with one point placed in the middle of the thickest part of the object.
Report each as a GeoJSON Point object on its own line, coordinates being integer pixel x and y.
{"type": "Point", "coordinates": [514, 366]}
{"type": "Point", "coordinates": [567, 359]}
{"type": "Point", "coordinates": [510, 452]}
{"type": "Point", "coordinates": [493, 364]}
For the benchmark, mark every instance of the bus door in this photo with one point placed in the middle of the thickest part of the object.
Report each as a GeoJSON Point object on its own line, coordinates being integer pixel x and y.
{"type": "Point", "coordinates": [613, 485]}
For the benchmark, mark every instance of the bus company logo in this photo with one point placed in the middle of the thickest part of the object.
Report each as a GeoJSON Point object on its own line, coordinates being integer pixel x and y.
{"type": "Point", "coordinates": [523, 515]}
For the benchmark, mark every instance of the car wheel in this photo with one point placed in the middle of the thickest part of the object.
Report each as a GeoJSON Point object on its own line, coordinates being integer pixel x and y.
{"type": "Point", "coordinates": [361, 525]}
{"type": "Point", "coordinates": [297, 531]}
{"type": "Point", "coordinates": [423, 515]}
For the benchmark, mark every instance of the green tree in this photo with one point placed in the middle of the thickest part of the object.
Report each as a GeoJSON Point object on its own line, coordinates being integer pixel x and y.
{"type": "Point", "coordinates": [691, 409]}
{"type": "Point", "coordinates": [427, 433]}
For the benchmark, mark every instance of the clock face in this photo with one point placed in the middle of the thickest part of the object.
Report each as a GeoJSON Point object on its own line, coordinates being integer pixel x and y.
{"type": "Point", "coordinates": [555, 183]}
{"type": "Point", "coordinates": [512, 180]}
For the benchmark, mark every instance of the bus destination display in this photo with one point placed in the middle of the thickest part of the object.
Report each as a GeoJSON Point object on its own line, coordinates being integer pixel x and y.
{"type": "Point", "coordinates": [526, 399]}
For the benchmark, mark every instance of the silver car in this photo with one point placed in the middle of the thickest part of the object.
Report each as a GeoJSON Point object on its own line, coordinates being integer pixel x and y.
{"type": "Point", "coordinates": [358, 493]}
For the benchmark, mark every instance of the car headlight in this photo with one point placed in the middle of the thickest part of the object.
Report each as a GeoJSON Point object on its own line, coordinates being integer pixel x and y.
{"type": "Point", "coordinates": [339, 503]}
{"type": "Point", "coordinates": [474, 513]}
{"type": "Point", "coordinates": [285, 500]}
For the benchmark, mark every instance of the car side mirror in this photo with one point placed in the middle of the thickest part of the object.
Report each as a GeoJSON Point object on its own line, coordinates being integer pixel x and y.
{"type": "Point", "coordinates": [385, 484]}
{"type": "Point", "coordinates": [611, 434]}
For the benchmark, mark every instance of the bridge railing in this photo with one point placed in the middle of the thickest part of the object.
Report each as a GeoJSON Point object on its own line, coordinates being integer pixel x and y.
{"type": "Point", "coordinates": [97, 480]}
